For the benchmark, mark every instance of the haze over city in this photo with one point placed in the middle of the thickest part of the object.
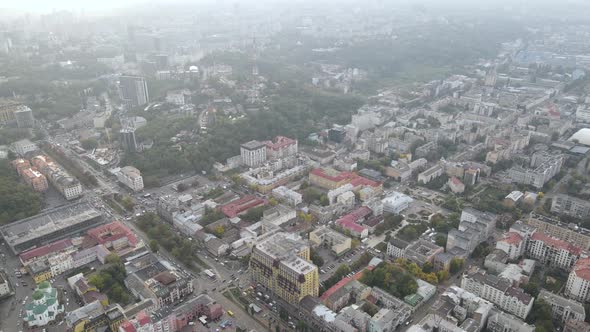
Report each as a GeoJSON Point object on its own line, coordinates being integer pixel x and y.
{"type": "Point", "coordinates": [338, 166]}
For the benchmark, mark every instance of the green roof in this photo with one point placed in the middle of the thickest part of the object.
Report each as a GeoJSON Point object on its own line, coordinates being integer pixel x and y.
{"type": "Point", "coordinates": [38, 295]}
{"type": "Point", "coordinates": [39, 309]}
{"type": "Point", "coordinates": [50, 301]}
{"type": "Point", "coordinates": [413, 299]}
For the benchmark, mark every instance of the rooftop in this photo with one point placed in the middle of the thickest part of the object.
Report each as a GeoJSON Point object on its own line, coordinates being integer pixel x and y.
{"type": "Point", "coordinates": [282, 245]}
{"type": "Point", "coordinates": [555, 242]}
{"type": "Point", "coordinates": [48, 222]}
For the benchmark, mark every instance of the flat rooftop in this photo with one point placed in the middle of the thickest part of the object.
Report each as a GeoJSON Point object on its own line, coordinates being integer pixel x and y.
{"type": "Point", "coordinates": [47, 222]}
{"type": "Point", "coordinates": [282, 245]}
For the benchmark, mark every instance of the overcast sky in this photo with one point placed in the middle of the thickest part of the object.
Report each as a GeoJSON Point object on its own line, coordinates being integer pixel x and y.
{"type": "Point", "coordinates": [47, 6]}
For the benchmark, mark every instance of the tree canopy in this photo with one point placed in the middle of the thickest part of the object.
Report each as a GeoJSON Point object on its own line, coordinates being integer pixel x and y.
{"type": "Point", "coordinates": [17, 201]}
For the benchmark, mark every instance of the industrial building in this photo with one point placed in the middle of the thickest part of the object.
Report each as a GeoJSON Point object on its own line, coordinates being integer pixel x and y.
{"type": "Point", "coordinates": [49, 226]}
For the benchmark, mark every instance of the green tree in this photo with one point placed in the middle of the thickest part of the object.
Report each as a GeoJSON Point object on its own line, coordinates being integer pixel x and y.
{"type": "Point", "coordinates": [89, 144]}
{"type": "Point", "coordinates": [456, 265]}
{"type": "Point", "coordinates": [154, 246]}
{"type": "Point", "coordinates": [440, 240]}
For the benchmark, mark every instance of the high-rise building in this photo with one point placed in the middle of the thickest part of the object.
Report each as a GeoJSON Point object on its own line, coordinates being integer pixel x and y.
{"type": "Point", "coordinates": [281, 263]}
{"type": "Point", "coordinates": [253, 153]}
{"type": "Point", "coordinates": [7, 109]}
{"type": "Point", "coordinates": [134, 90]}
{"type": "Point", "coordinates": [24, 117]}
{"type": "Point", "coordinates": [128, 141]}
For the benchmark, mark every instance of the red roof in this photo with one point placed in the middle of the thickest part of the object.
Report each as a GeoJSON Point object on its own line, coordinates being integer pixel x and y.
{"type": "Point", "coordinates": [279, 143]}
{"type": "Point", "coordinates": [127, 326]}
{"type": "Point", "coordinates": [512, 238]}
{"type": "Point", "coordinates": [243, 204]}
{"type": "Point", "coordinates": [355, 216]}
{"type": "Point", "coordinates": [351, 225]}
{"type": "Point", "coordinates": [350, 177]}
{"type": "Point", "coordinates": [582, 268]}
{"type": "Point", "coordinates": [556, 243]}
{"type": "Point", "coordinates": [456, 181]}
{"type": "Point", "coordinates": [343, 282]}
{"type": "Point", "coordinates": [143, 318]}
{"type": "Point", "coordinates": [56, 246]}
{"type": "Point", "coordinates": [112, 232]}
{"type": "Point", "coordinates": [334, 288]}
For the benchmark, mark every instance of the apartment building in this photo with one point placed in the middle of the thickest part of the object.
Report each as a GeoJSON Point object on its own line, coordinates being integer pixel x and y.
{"type": "Point", "coordinates": [396, 248]}
{"type": "Point", "coordinates": [500, 292]}
{"type": "Point", "coordinates": [513, 244]}
{"type": "Point", "coordinates": [578, 282]}
{"type": "Point", "coordinates": [66, 184]}
{"type": "Point", "coordinates": [552, 251]}
{"type": "Point", "coordinates": [563, 309]}
{"type": "Point", "coordinates": [543, 168]}
{"type": "Point", "coordinates": [570, 206]}
{"type": "Point", "coordinates": [430, 174]}
{"type": "Point", "coordinates": [577, 236]}
{"type": "Point", "coordinates": [281, 263]}
{"type": "Point", "coordinates": [131, 178]}
{"type": "Point", "coordinates": [288, 196]}
{"type": "Point", "coordinates": [253, 153]}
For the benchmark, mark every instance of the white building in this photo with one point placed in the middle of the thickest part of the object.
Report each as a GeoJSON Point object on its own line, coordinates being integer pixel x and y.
{"type": "Point", "coordinates": [395, 202]}
{"type": "Point", "coordinates": [513, 244]}
{"type": "Point", "coordinates": [578, 282]}
{"type": "Point", "coordinates": [396, 248]}
{"type": "Point", "coordinates": [552, 251]}
{"type": "Point", "coordinates": [4, 286]}
{"type": "Point", "coordinates": [288, 196]}
{"type": "Point", "coordinates": [583, 114]}
{"type": "Point", "coordinates": [131, 177]}
{"type": "Point", "coordinates": [44, 307]}
{"type": "Point", "coordinates": [253, 153]}
{"type": "Point", "coordinates": [23, 146]}
{"type": "Point", "coordinates": [60, 263]}
{"type": "Point", "coordinates": [500, 292]}
{"type": "Point", "coordinates": [563, 309]}
{"type": "Point", "coordinates": [430, 174]}
{"type": "Point", "coordinates": [178, 97]}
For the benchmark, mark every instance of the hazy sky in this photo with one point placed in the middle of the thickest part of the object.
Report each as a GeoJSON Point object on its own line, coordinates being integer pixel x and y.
{"type": "Point", "coordinates": [46, 6]}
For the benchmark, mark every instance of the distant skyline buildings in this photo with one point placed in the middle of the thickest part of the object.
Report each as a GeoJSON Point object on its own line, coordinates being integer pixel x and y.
{"type": "Point", "coordinates": [134, 90]}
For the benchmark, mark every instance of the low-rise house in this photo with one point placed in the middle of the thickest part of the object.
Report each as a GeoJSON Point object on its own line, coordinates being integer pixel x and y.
{"type": "Point", "coordinates": [327, 237]}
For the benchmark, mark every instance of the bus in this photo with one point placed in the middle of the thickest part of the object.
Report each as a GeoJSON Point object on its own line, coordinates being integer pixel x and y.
{"type": "Point", "coordinates": [229, 312]}
{"type": "Point", "coordinates": [203, 320]}
{"type": "Point", "coordinates": [210, 274]}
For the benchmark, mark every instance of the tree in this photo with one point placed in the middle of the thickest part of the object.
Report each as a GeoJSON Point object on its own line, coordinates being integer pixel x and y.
{"type": "Point", "coordinates": [456, 265]}
{"type": "Point", "coordinates": [154, 246]}
{"type": "Point", "coordinates": [219, 231]}
{"type": "Point", "coordinates": [89, 144]}
{"type": "Point", "coordinates": [128, 203]}
{"type": "Point", "coordinates": [253, 214]}
{"type": "Point", "coordinates": [440, 240]}
{"type": "Point", "coordinates": [540, 315]}
{"type": "Point", "coordinates": [427, 267]}
{"type": "Point", "coordinates": [531, 288]}
{"type": "Point", "coordinates": [17, 201]}
{"type": "Point", "coordinates": [324, 201]}
{"type": "Point", "coordinates": [316, 258]}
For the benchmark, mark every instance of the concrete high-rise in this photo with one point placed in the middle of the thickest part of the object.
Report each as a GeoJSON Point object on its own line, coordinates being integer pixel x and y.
{"type": "Point", "coordinates": [281, 263]}
{"type": "Point", "coordinates": [134, 90]}
{"type": "Point", "coordinates": [24, 117]}
{"type": "Point", "coordinates": [128, 141]}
